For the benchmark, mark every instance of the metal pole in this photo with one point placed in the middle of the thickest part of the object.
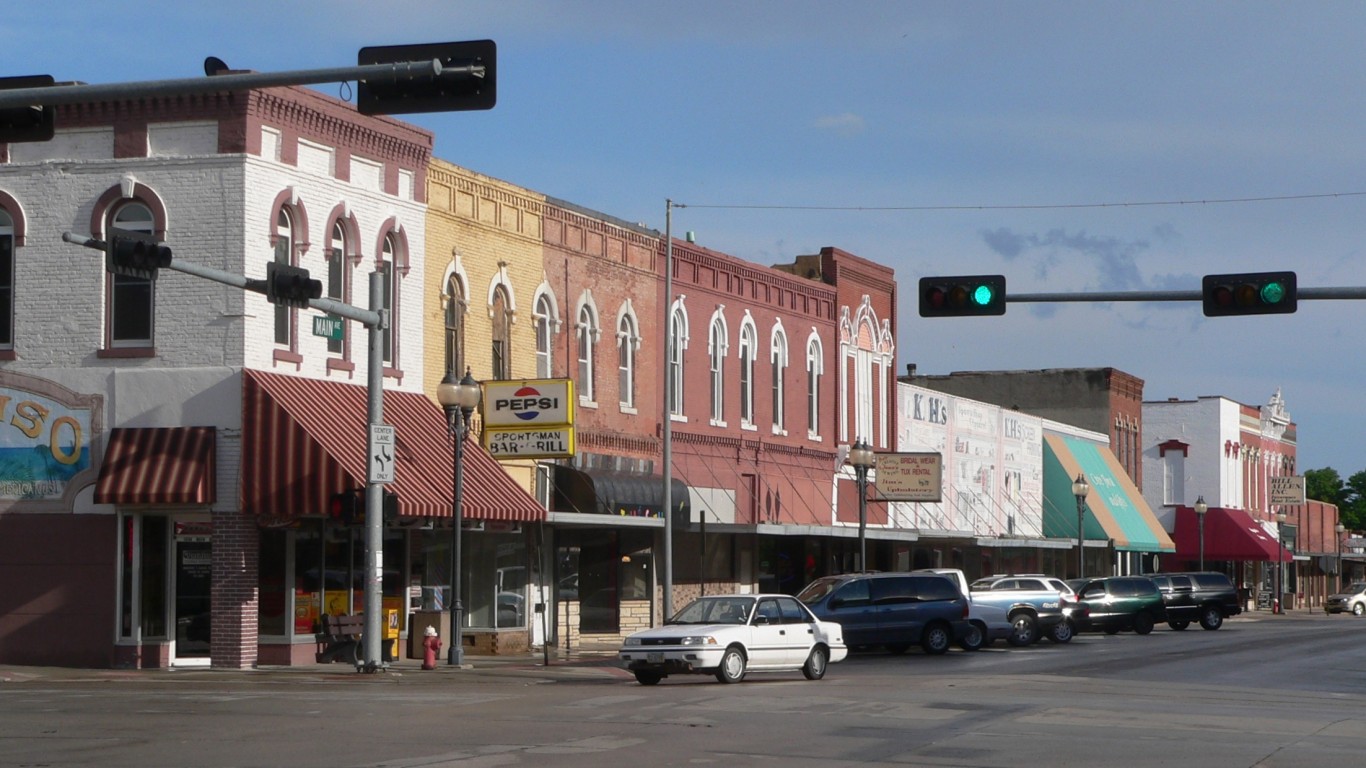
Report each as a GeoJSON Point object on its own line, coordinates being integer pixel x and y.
{"type": "Point", "coordinates": [456, 654]}
{"type": "Point", "coordinates": [374, 491]}
{"type": "Point", "coordinates": [1081, 514]}
{"type": "Point", "coordinates": [1202, 541]}
{"type": "Point", "coordinates": [861, 475]}
{"type": "Point", "coordinates": [668, 409]}
{"type": "Point", "coordinates": [1276, 598]}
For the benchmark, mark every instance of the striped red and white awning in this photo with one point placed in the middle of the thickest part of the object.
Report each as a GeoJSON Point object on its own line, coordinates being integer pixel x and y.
{"type": "Point", "coordinates": [158, 465]}
{"type": "Point", "coordinates": [304, 440]}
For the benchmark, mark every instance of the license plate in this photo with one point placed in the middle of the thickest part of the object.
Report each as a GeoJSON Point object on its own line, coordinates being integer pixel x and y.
{"type": "Point", "coordinates": [655, 657]}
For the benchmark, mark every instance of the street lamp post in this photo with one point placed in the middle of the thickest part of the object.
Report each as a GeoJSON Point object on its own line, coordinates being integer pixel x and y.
{"type": "Point", "coordinates": [1340, 528]}
{"type": "Point", "coordinates": [1079, 489]}
{"type": "Point", "coordinates": [861, 457]}
{"type": "Point", "coordinates": [1200, 509]}
{"type": "Point", "coordinates": [1280, 547]}
{"type": "Point", "coordinates": [458, 399]}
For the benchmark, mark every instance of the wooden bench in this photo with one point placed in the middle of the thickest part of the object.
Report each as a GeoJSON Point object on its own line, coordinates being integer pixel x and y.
{"type": "Point", "coordinates": [340, 638]}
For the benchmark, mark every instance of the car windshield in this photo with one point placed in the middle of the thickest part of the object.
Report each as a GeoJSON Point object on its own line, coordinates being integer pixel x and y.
{"type": "Point", "coordinates": [1357, 588]}
{"type": "Point", "coordinates": [715, 610]}
{"type": "Point", "coordinates": [818, 589]}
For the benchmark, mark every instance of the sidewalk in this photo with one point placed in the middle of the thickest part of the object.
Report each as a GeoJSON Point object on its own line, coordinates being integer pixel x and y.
{"type": "Point", "coordinates": [600, 663]}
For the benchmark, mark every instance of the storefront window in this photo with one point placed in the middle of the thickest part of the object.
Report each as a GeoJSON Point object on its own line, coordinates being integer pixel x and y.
{"type": "Point", "coordinates": [152, 607]}
{"type": "Point", "coordinates": [308, 578]}
{"type": "Point", "coordinates": [128, 567]}
{"type": "Point", "coordinates": [274, 604]}
{"type": "Point", "coordinates": [494, 579]}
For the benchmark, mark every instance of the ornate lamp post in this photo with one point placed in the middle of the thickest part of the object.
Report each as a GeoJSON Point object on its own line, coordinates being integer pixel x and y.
{"type": "Point", "coordinates": [861, 457]}
{"type": "Point", "coordinates": [1280, 548]}
{"type": "Point", "coordinates": [458, 399]}
{"type": "Point", "coordinates": [1079, 489]}
{"type": "Point", "coordinates": [1200, 509]}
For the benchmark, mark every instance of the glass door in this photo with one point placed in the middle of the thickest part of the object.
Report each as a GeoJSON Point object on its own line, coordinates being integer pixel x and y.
{"type": "Point", "coordinates": [192, 584]}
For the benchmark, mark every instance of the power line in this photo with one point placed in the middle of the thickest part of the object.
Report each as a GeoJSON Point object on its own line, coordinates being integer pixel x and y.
{"type": "Point", "coordinates": [1021, 206]}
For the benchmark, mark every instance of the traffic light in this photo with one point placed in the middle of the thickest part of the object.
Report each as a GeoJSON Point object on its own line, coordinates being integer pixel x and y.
{"type": "Point", "coordinates": [135, 254]}
{"type": "Point", "coordinates": [1251, 293]}
{"type": "Point", "coordinates": [27, 123]}
{"type": "Point", "coordinates": [348, 507]}
{"type": "Point", "coordinates": [290, 285]}
{"type": "Point", "coordinates": [447, 93]}
{"type": "Point", "coordinates": [963, 296]}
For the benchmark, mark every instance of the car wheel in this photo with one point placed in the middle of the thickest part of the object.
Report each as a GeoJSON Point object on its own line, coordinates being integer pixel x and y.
{"type": "Point", "coordinates": [974, 639]}
{"type": "Point", "coordinates": [816, 663]}
{"type": "Point", "coordinates": [1358, 609]}
{"type": "Point", "coordinates": [648, 677]}
{"type": "Point", "coordinates": [1061, 632]}
{"type": "Point", "coordinates": [897, 648]}
{"type": "Point", "coordinates": [732, 669]}
{"type": "Point", "coordinates": [1143, 623]}
{"type": "Point", "coordinates": [1024, 630]}
{"type": "Point", "coordinates": [1178, 624]}
{"type": "Point", "coordinates": [1211, 618]}
{"type": "Point", "coordinates": [936, 638]}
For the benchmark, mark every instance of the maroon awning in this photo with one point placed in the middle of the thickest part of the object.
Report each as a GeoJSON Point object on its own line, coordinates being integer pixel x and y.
{"type": "Point", "coordinates": [304, 440]}
{"type": "Point", "coordinates": [158, 465]}
{"type": "Point", "coordinates": [1230, 534]}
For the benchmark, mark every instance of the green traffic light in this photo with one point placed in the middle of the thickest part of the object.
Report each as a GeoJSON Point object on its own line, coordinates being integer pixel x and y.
{"type": "Point", "coordinates": [1273, 293]}
{"type": "Point", "coordinates": [982, 295]}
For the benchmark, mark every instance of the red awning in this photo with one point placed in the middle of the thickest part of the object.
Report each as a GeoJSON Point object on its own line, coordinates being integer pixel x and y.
{"type": "Point", "coordinates": [1230, 534]}
{"type": "Point", "coordinates": [158, 465]}
{"type": "Point", "coordinates": [304, 440]}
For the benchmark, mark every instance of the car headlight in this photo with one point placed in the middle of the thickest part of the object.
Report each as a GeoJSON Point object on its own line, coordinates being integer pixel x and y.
{"type": "Point", "coordinates": [632, 641]}
{"type": "Point", "coordinates": [697, 640]}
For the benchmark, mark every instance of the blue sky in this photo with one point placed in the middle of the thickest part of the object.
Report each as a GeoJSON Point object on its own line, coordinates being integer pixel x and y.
{"type": "Point", "coordinates": [936, 137]}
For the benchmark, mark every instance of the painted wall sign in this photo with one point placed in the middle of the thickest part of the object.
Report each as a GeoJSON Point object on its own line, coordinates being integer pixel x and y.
{"type": "Point", "coordinates": [45, 434]}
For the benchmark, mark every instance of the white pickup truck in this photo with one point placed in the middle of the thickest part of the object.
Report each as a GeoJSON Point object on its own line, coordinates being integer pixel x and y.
{"type": "Point", "coordinates": [1015, 611]}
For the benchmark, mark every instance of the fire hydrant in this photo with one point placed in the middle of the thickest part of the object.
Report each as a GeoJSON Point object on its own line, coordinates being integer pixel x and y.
{"type": "Point", "coordinates": [431, 648]}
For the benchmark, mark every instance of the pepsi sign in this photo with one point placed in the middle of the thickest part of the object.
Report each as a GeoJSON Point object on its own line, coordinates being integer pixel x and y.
{"type": "Point", "coordinates": [528, 403]}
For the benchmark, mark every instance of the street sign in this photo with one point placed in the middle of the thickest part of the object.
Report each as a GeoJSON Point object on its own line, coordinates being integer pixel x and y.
{"type": "Point", "coordinates": [1286, 489]}
{"type": "Point", "coordinates": [381, 453]}
{"type": "Point", "coordinates": [910, 476]}
{"type": "Point", "coordinates": [328, 327]}
{"type": "Point", "coordinates": [547, 443]}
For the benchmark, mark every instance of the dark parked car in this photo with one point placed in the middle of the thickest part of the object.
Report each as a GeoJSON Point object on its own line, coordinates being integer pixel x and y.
{"type": "Point", "coordinates": [1119, 603]}
{"type": "Point", "coordinates": [1208, 598]}
{"type": "Point", "coordinates": [893, 610]}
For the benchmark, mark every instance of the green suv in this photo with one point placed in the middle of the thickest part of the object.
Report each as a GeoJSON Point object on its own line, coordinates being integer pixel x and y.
{"type": "Point", "coordinates": [1119, 603]}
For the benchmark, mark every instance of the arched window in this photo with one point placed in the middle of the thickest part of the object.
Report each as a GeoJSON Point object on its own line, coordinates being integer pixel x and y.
{"type": "Point", "coordinates": [336, 281]}
{"type": "Point", "coordinates": [587, 330]}
{"type": "Point", "coordinates": [678, 342]}
{"type": "Point", "coordinates": [778, 357]}
{"type": "Point", "coordinates": [6, 280]}
{"type": "Point", "coordinates": [716, 346]}
{"type": "Point", "coordinates": [542, 317]}
{"type": "Point", "coordinates": [455, 326]}
{"type": "Point", "coordinates": [501, 334]}
{"type": "Point", "coordinates": [389, 276]}
{"type": "Point", "coordinates": [131, 299]}
{"type": "Point", "coordinates": [814, 368]}
{"type": "Point", "coordinates": [627, 340]}
{"type": "Point", "coordinates": [747, 351]}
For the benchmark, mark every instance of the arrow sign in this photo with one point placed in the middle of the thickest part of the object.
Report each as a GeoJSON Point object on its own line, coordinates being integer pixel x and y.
{"type": "Point", "coordinates": [381, 453]}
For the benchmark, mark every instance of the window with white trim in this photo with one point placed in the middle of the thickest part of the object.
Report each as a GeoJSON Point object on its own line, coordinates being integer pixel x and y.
{"type": "Point", "coordinates": [502, 334]}
{"type": "Point", "coordinates": [541, 318]}
{"type": "Point", "coordinates": [678, 336]}
{"type": "Point", "coordinates": [132, 300]}
{"type": "Point", "coordinates": [6, 280]}
{"type": "Point", "coordinates": [716, 344]}
{"type": "Point", "coordinates": [748, 342]}
{"type": "Point", "coordinates": [336, 281]}
{"type": "Point", "coordinates": [587, 330]}
{"type": "Point", "coordinates": [388, 269]}
{"type": "Point", "coordinates": [627, 340]}
{"type": "Point", "coordinates": [814, 367]}
{"type": "Point", "coordinates": [778, 357]}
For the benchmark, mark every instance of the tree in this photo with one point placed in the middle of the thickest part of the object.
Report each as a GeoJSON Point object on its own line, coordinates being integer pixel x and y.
{"type": "Point", "coordinates": [1325, 485]}
{"type": "Point", "coordinates": [1353, 507]}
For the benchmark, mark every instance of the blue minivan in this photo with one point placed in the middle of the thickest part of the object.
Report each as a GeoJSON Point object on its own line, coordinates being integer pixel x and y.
{"type": "Point", "coordinates": [892, 610]}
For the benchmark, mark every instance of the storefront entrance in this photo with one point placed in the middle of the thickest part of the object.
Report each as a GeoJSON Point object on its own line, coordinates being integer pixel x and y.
{"type": "Point", "coordinates": [193, 609]}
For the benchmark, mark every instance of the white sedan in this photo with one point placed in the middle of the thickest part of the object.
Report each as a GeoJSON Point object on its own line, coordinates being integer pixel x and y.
{"type": "Point", "coordinates": [731, 635]}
